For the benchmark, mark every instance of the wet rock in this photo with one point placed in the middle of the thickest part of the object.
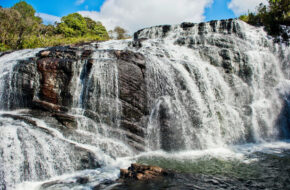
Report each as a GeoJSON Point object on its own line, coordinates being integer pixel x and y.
{"type": "Point", "coordinates": [21, 118]}
{"type": "Point", "coordinates": [169, 140]}
{"type": "Point", "coordinates": [186, 25]}
{"type": "Point", "coordinates": [165, 29]}
{"type": "Point", "coordinates": [44, 53]}
{"type": "Point", "coordinates": [142, 172]}
{"type": "Point", "coordinates": [82, 180]}
{"type": "Point", "coordinates": [87, 53]}
{"type": "Point", "coordinates": [5, 53]}
{"type": "Point", "coordinates": [46, 106]}
{"type": "Point", "coordinates": [106, 184]}
{"type": "Point", "coordinates": [87, 160]}
{"type": "Point", "coordinates": [137, 43]}
{"type": "Point", "coordinates": [66, 120]}
{"type": "Point", "coordinates": [132, 85]}
{"type": "Point", "coordinates": [55, 77]}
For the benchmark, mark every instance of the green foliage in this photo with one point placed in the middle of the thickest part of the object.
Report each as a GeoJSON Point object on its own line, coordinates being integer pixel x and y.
{"type": "Point", "coordinates": [20, 28]}
{"type": "Point", "coordinates": [3, 47]}
{"type": "Point", "coordinates": [17, 23]}
{"type": "Point", "coordinates": [72, 25]}
{"type": "Point", "coordinates": [244, 18]}
{"type": "Point", "coordinates": [24, 9]}
{"type": "Point", "coordinates": [96, 28]}
{"type": "Point", "coordinates": [274, 15]}
{"type": "Point", "coordinates": [9, 27]}
{"type": "Point", "coordinates": [120, 32]}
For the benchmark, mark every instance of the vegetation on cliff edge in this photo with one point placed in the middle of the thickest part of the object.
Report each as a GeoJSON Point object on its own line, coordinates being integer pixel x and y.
{"type": "Point", "coordinates": [20, 29]}
{"type": "Point", "coordinates": [274, 17]}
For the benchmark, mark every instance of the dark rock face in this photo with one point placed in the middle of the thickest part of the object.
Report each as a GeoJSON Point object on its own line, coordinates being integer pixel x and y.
{"type": "Point", "coordinates": [46, 83]}
{"type": "Point", "coordinates": [131, 67]}
{"type": "Point", "coordinates": [24, 75]}
{"type": "Point", "coordinates": [55, 76]}
{"type": "Point", "coordinates": [169, 140]}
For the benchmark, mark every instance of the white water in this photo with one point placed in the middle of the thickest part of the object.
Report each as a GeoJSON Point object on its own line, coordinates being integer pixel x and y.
{"type": "Point", "coordinates": [33, 152]}
{"type": "Point", "coordinates": [7, 63]}
{"type": "Point", "coordinates": [225, 108]}
{"type": "Point", "coordinates": [198, 107]}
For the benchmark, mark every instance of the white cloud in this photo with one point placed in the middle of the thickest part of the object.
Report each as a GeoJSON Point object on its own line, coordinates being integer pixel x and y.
{"type": "Point", "coordinates": [79, 2]}
{"type": "Point", "coordinates": [48, 19]}
{"type": "Point", "coordinates": [243, 6]}
{"type": "Point", "coordinates": [134, 15]}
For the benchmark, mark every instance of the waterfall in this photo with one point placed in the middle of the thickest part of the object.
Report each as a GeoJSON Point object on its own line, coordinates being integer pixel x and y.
{"type": "Point", "coordinates": [97, 105]}
{"type": "Point", "coordinates": [35, 148]}
{"type": "Point", "coordinates": [8, 97]}
{"type": "Point", "coordinates": [213, 85]}
{"type": "Point", "coordinates": [87, 111]}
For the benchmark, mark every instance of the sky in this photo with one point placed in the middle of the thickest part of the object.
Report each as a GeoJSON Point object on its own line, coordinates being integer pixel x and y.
{"type": "Point", "coordinates": [136, 14]}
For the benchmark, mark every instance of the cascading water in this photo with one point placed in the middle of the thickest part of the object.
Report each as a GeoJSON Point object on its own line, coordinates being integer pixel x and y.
{"type": "Point", "coordinates": [200, 89]}
{"type": "Point", "coordinates": [97, 106]}
{"type": "Point", "coordinates": [7, 73]}
{"type": "Point", "coordinates": [34, 149]}
{"type": "Point", "coordinates": [213, 86]}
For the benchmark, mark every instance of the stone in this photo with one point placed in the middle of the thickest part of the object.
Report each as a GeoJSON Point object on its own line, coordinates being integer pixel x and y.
{"type": "Point", "coordinates": [124, 172]}
{"type": "Point", "coordinates": [47, 106]}
{"type": "Point", "coordinates": [44, 53]}
{"type": "Point", "coordinates": [142, 172]}
{"type": "Point", "coordinates": [186, 25]}
{"type": "Point", "coordinates": [66, 120]}
{"type": "Point", "coordinates": [21, 118]}
{"type": "Point", "coordinates": [139, 176]}
{"type": "Point", "coordinates": [82, 180]}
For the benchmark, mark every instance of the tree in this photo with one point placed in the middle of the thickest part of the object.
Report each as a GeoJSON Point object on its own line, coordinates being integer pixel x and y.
{"type": "Point", "coordinates": [96, 28]}
{"type": "Point", "coordinates": [47, 30]}
{"type": "Point", "coordinates": [274, 15]}
{"type": "Point", "coordinates": [24, 9]}
{"type": "Point", "coordinates": [9, 19]}
{"type": "Point", "coordinates": [280, 10]}
{"type": "Point", "coordinates": [121, 33]}
{"type": "Point", "coordinates": [28, 25]}
{"type": "Point", "coordinates": [72, 25]}
{"type": "Point", "coordinates": [20, 28]}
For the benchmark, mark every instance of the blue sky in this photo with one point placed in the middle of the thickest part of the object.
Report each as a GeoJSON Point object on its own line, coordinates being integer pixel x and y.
{"type": "Point", "coordinates": [58, 7]}
{"type": "Point", "coordinates": [219, 10]}
{"type": "Point", "coordinates": [136, 14]}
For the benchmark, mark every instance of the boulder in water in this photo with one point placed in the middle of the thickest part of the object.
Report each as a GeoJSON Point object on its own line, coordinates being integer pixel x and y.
{"type": "Point", "coordinates": [142, 172]}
